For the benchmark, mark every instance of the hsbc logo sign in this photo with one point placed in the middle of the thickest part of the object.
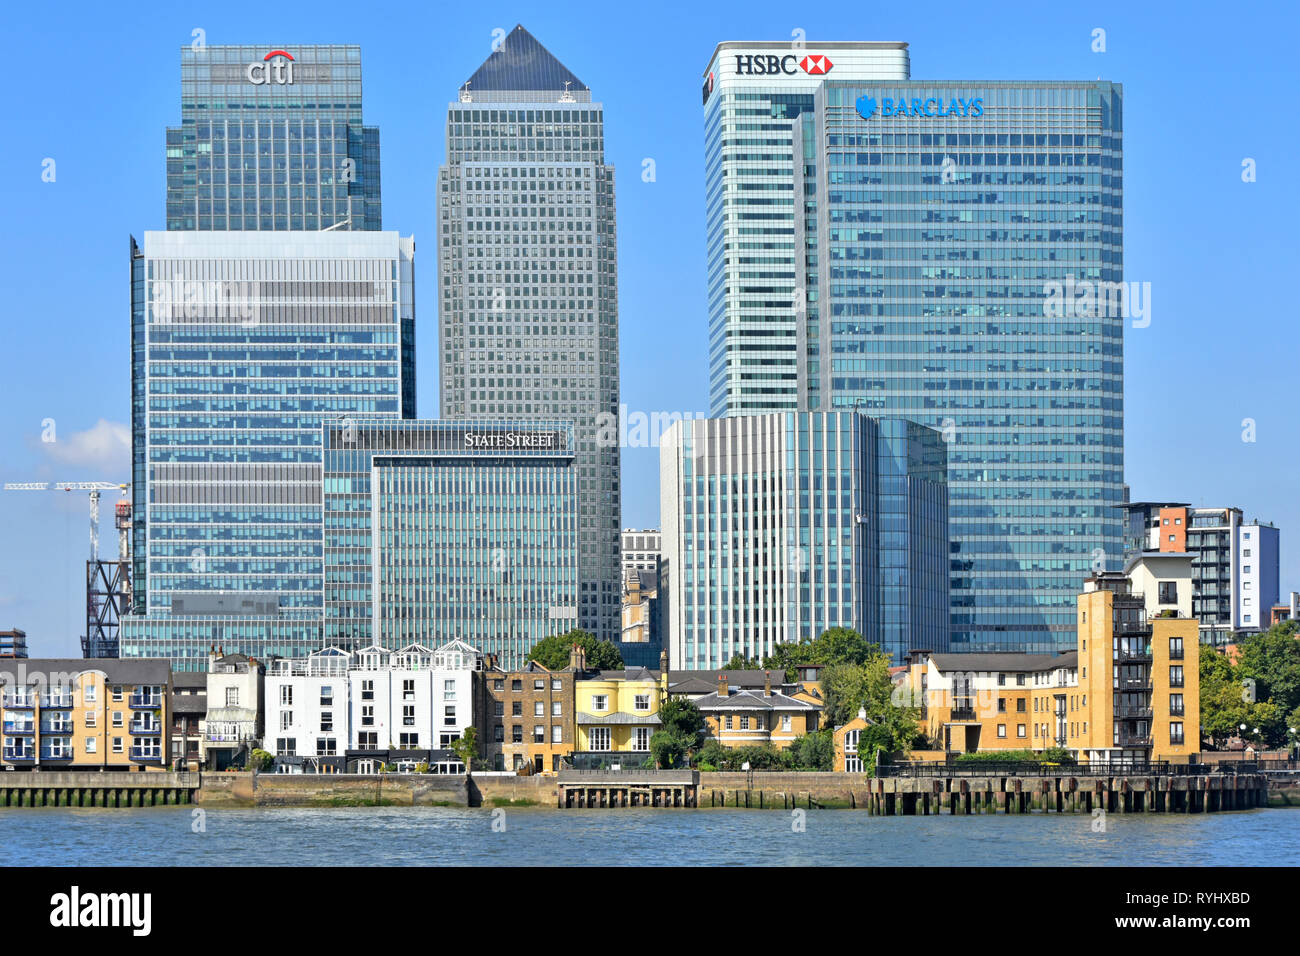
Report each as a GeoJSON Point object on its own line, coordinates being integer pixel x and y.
{"type": "Point", "coordinates": [816, 65]}
{"type": "Point", "coordinates": [276, 67]}
{"type": "Point", "coordinates": [758, 64]}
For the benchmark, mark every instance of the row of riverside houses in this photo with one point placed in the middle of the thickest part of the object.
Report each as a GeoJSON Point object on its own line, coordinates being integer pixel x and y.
{"type": "Point", "coordinates": [336, 711]}
{"type": "Point", "coordinates": [1128, 693]}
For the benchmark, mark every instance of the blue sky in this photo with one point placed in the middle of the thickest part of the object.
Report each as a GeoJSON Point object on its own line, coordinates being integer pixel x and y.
{"type": "Point", "coordinates": [95, 86]}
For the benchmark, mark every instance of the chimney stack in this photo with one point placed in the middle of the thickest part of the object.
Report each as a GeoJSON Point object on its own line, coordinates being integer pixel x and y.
{"type": "Point", "coordinates": [722, 684]}
{"type": "Point", "coordinates": [767, 683]}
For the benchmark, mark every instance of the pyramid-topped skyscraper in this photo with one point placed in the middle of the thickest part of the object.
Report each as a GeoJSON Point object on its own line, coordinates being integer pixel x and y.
{"type": "Point", "coordinates": [528, 283]}
{"type": "Point", "coordinates": [520, 63]}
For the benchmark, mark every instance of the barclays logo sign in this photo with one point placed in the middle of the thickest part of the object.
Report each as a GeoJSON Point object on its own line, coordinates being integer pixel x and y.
{"type": "Point", "coordinates": [868, 107]}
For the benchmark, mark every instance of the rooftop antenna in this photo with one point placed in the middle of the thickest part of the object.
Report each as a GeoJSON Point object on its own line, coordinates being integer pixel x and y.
{"type": "Point", "coordinates": [464, 94]}
{"type": "Point", "coordinates": [566, 96]}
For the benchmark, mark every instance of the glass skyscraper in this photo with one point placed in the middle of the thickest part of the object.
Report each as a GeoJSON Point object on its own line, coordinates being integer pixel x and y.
{"type": "Point", "coordinates": [243, 345]}
{"type": "Point", "coordinates": [752, 93]}
{"type": "Point", "coordinates": [777, 527]}
{"type": "Point", "coordinates": [528, 284]}
{"type": "Point", "coordinates": [440, 530]}
{"type": "Point", "coordinates": [270, 305]}
{"type": "Point", "coordinates": [939, 220]}
{"type": "Point", "coordinates": [271, 138]}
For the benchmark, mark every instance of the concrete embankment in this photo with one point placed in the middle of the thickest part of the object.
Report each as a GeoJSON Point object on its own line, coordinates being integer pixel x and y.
{"type": "Point", "coordinates": [1284, 790]}
{"type": "Point", "coordinates": [888, 796]}
{"type": "Point", "coordinates": [83, 788]}
{"type": "Point", "coordinates": [331, 790]}
{"type": "Point", "coordinates": [908, 796]}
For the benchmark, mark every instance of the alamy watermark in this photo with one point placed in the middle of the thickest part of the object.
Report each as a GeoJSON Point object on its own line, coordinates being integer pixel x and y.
{"type": "Point", "coordinates": [637, 429]}
{"type": "Point", "coordinates": [1084, 299]}
{"type": "Point", "coordinates": [209, 300]}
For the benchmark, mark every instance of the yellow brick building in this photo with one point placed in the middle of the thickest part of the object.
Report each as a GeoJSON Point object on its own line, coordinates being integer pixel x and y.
{"type": "Point", "coordinates": [850, 756]}
{"type": "Point", "coordinates": [74, 714]}
{"type": "Point", "coordinates": [1128, 692]}
{"type": "Point", "coordinates": [756, 716]}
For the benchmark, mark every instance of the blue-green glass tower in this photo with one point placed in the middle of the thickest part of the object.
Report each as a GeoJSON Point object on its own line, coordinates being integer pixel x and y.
{"type": "Point", "coordinates": [441, 530]}
{"type": "Point", "coordinates": [938, 223]}
{"type": "Point", "coordinates": [270, 305]}
{"type": "Point", "coordinates": [271, 138]}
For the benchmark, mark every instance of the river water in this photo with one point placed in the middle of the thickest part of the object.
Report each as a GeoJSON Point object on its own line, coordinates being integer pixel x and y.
{"type": "Point", "coordinates": [163, 836]}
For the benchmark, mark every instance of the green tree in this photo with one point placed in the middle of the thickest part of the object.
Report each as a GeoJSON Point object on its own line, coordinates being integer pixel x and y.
{"type": "Point", "coordinates": [1272, 661]}
{"type": "Point", "coordinates": [1293, 721]}
{"type": "Point", "coordinates": [465, 747]}
{"type": "Point", "coordinates": [669, 749]}
{"type": "Point", "coordinates": [837, 645]}
{"type": "Point", "coordinates": [553, 652]}
{"type": "Point", "coordinates": [680, 715]}
{"type": "Point", "coordinates": [681, 733]}
{"type": "Point", "coordinates": [849, 688]}
{"type": "Point", "coordinates": [852, 686]}
{"type": "Point", "coordinates": [739, 662]}
{"type": "Point", "coordinates": [1223, 710]}
{"type": "Point", "coordinates": [712, 756]}
{"type": "Point", "coordinates": [1269, 671]}
{"type": "Point", "coordinates": [814, 751]}
{"type": "Point", "coordinates": [260, 759]}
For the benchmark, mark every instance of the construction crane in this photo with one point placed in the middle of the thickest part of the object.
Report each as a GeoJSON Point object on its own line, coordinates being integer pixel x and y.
{"type": "Point", "coordinates": [108, 583]}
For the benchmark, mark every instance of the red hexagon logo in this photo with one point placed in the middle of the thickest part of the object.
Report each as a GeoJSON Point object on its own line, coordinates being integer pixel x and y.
{"type": "Point", "coordinates": [816, 64]}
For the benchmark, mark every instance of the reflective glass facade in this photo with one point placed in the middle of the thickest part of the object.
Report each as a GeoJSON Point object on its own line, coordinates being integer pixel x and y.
{"type": "Point", "coordinates": [931, 239]}
{"type": "Point", "coordinates": [777, 527]}
{"type": "Point", "coordinates": [528, 280]}
{"type": "Point", "coordinates": [271, 138]}
{"type": "Point", "coordinates": [251, 325]}
{"type": "Point", "coordinates": [752, 214]}
{"type": "Point", "coordinates": [440, 530]}
{"type": "Point", "coordinates": [243, 345]}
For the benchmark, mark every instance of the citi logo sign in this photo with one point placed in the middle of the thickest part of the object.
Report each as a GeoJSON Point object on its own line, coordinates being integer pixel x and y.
{"type": "Point", "coordinates": [276, 67]}
{"type": "Point", "coordinates": [868, 107]}
{"type": "Point", "coordinates": [814, 64]}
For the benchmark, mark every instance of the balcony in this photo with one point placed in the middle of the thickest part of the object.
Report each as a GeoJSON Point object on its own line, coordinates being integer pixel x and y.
{"type": "Point", "coordinates": [143, 729]}
{"type": "Point", "coordinates": [19, 701]}
{"type": "Point", "coordinates": [147, 754]}
{"type": "Point", "coordinates": [1132, 740]}
{"type": "Point", "coordinates": [1177, 711]}
{"type": "Point", "coordinates": [145, 701]}
{"type": "Point", "coordinates": [54, 753]}
{"type": "Point", "coordinates": [1124, 656]}
{"type": "Point", "coordinates": [57, 700]}
{"type": "Point", "coordinates": [19, 753]}
{"type": "Point", "coordinates": [1133, 713]}
{"type": "Point", "coordinates": [1133, 683]}
{"type": "Point", "coordinates": [19, 727]}
{"type": "Point", "coordinates": [1175, 653]}
{"type": "Point", "coordinates": [962, 710]}
{"type": "Point", "coordinates": [56, 727]}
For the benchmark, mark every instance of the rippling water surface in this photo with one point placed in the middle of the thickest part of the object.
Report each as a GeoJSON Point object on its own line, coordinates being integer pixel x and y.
{"type": "Point", "coordinates": [437, 835]}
